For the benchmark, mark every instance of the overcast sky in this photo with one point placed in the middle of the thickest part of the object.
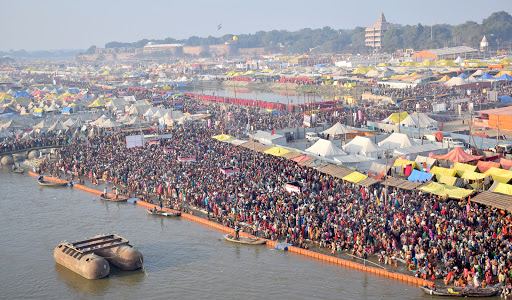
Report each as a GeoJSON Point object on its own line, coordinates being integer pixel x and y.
{"type": "Point", "coordinates": [77, 24]}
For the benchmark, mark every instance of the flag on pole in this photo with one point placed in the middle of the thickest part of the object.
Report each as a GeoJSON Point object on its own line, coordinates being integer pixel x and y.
{"type": "Point", "coordinates": [272, 132]}
{"type": "Point", "coordinates": [219, 26]}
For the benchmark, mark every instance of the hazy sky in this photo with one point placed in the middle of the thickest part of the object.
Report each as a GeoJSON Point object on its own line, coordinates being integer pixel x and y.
{"type": "Point", "coordinates": [77, 24]}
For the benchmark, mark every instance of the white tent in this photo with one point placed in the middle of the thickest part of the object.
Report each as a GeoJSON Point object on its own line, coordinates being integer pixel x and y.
{"type": "Point", "coordinates": [109, 124]}
{"type": "Point", "coordinates": [99, 121]}
{"type": "Point", "coordinates": [420, 120]}
{"type": "Point", "coordinates": [57, 126]}
{"type": "Point", "coordinates": [325, 148]}
{"type": "Point", "coordinates": [336, 129]}
{"type": "Point", "coordinates": [456, 81]}
{"type": "Point", "coordinates": [397, 140]}
{"type": "Point", "coordinates": [363, 146]}
{"type": "Point", "coordinates": [42, 125]}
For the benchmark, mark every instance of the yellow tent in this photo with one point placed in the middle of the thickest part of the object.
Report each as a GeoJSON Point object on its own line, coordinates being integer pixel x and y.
{"type": "Point", "coordinates": [444, 78]}
{"type": "Point", "coordinates": [443, 171]}
{"type": "Point", "coordinates": [509, 73]}
{"type": "Point", "coordinates": [276, 151]}
{"type": "Point", "coordinates": [470, 175]}
{"type": "Point", "coordinates": [383, 65]}
{"type": "Point", "coordinates": [355, 177]}
{"type": "Point", "coordinates": [397, 118]}
{"type": "Point", "coordinates": [499, 175]}
{"type": "Point", "coordinates": [266, 71]}
{"type": "Point", "coordinates": [461, 168]}
{"type": "Point", "coordinates": [222, 137]}
{"type": "Point", "coordinates": [401, 162]}
{"type": "Point", "coordinates": [249, 72]}
{"type": "Point", "coordinates": [442, 190]}
{"type": "Point", "coordinates": [428, 63]}
{"type": "Point", "coordinates": [96, 103]}
{"type": "Point", "coordinates": [503, 188]}
{"type": "Point", "coordinates": [448, 180]}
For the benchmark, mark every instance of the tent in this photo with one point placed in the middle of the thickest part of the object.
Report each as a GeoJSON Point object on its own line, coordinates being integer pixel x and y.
{"type": "Point", "coordinates": [378, 170]}
{"type": "Point", "coordinates": [506, 164]}
{"type": "Point", "coordinates": [57, 126]}
{"type": "Point", "coordinates": [503, 188]}
{"type": "Point", "coordinates": [396, 118]}
{"type": "Point", "coordinates": [355, 177]}
{"type": "Point", "coordinates": [500, 175]}
{"type": "Point", "coordinates": [483, 166]}
{"type": "Point", "coordinates": [458, 155]}
{"type": "Point", "coordinates": [486, 76]}
{"type": "Point", "coordinates": [397, 140]}
{"type": "Point", "coordinates": [363, 146]}
{"type": "Point", "coordinates": [222, 137]}
{"type": "Point", "coordinates": [461, 168]}
{"type": "Point", "coordinates": [446, 190]}
{"type": "Point", "coordinates": [325, 148]}
{"type": "Point", "coordinates": [445, 78]}
{"type": "Point", "coordinates": [443, 171]}
{"type": "Point", "coordinates": [419, 176]}
{"type": "Point", "coordinates": [505, 98]}
{"type": "Point", "coordinates": [504, 77]}
{"type": "Point", "coordinates": [425, 162]}
{"type": "Point", "coordinates": [96, 103]}
{"type": "Point", "coordinates": [337, 129]}
{"type": "Point", "coordinates": [420, 120]}
{"type": "Point", "coordinates": [276, 151]}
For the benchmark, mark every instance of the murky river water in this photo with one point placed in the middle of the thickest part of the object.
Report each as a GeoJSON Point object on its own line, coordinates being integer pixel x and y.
{"type": "Point", "coordinates": [182, 259]}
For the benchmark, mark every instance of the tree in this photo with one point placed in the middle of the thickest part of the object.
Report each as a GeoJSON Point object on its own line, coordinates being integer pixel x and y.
{"type": "Point", "coordinates": [91, 50]}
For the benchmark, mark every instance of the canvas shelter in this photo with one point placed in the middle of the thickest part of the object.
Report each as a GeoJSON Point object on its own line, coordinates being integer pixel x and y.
{"type": "Point", "coordinates": [397, 140]}
{"type": "Point", "coordinates": [363, 146]}
{"type": "Point", "coordinates": [396, 118]}
{"type": "Point", "coordinates": [325, 148]}
{"type": "Point", "coordinates": [418, 120]}
{"type": "Point", "coordinates": [458, 155]}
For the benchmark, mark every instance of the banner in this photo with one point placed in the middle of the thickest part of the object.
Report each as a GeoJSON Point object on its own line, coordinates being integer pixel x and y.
{"type": "Point", "coordinates": [307, 120]}
{"type": "Point", "coordinates": [133, 141]}
{"type": "Point", "coordinates": [290, 188]}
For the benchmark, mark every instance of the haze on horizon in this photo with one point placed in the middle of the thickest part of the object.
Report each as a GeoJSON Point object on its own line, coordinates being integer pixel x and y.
{"type": "Point", "coordinates": [58, 24]}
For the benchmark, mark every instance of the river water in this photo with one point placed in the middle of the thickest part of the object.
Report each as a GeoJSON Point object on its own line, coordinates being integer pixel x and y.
{"type": "Point", "coordinates": [182, 259]}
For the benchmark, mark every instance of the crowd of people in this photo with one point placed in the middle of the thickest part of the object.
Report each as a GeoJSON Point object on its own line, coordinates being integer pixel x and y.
{"type": "Point", "coordinates": [458, 241]}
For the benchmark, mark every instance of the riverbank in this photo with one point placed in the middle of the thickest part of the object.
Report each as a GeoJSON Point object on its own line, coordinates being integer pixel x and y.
{"type": "Point", "coordinates": [307, 253]}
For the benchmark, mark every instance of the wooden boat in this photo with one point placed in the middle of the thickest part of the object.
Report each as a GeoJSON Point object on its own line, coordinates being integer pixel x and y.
{"type": "Point", "coordinates": [19, 171]}
{"type": "Point", "coordinates": [49, 183]}
{"type": "Point", "coordinates": [164, 213]}
{"type": "Point", "coordinates": [461, 292]}
{"type": "Point", "coordinates": [245, 240]}
{"type": "Point", "coordinates": [113, 199]}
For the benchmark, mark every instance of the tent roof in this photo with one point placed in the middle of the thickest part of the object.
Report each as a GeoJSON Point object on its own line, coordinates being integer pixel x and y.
{"type": "Point", "coordinates": [395, 118]}
{"type": "Point", "coordinates": [458, 155]}
{"type": "Point", "coordinates": [397, 140]}
{"type": "Point", "coordinates": [337, 129]}
{"type": "Point", "coordinates": [420, 120]}
{"type": "Point", "coordinates": [325, 148]}
{"type": "Point", "coordinates": [361, 145]}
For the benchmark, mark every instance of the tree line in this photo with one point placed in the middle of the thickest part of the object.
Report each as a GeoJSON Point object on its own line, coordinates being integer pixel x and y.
{"type": "Point", "coordinates": [497, 28]}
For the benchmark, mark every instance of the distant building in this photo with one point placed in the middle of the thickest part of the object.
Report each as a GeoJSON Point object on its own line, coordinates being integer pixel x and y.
{"type": "Point", "coordinates": [445, 53]}
{"type": "Point", "coordinates": [375, 33]}
{"type": "Point", "coordinates": [150, 48]}
{"type": "Point", "coordinates": [484, 44]}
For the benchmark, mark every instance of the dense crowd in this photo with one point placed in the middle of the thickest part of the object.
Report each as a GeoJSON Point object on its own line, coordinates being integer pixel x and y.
{"type": "Point", "coordinates": [461, 242]}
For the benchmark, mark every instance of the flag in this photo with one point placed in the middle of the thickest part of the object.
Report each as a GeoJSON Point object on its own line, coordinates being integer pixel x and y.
{"type": "Point", "coordinates": [219, 26]}
{"type": "Point", "coordinates": [272, 132]}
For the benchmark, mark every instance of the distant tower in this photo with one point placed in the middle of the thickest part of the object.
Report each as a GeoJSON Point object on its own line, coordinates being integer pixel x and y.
{"type": "Point", "coordinates": [484, 44]}
{"type": "Point", "coordinates": [375, 33]}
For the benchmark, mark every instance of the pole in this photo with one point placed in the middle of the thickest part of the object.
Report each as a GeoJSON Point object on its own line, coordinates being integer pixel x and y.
{"type": "Point", "coordinates": [386, 181]}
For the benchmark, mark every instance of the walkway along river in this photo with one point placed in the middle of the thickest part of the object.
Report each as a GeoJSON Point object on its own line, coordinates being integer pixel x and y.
{"type": "Point", "coordinates": [308, 253]}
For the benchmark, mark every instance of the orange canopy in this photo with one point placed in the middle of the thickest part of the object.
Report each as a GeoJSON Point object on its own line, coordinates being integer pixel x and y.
{"type": "Point", "coordinates": [483, 166]}
{"type": "Point", "coordinates": [300, 158]}
{"type": "Point", "coordinates": [458, 155]}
